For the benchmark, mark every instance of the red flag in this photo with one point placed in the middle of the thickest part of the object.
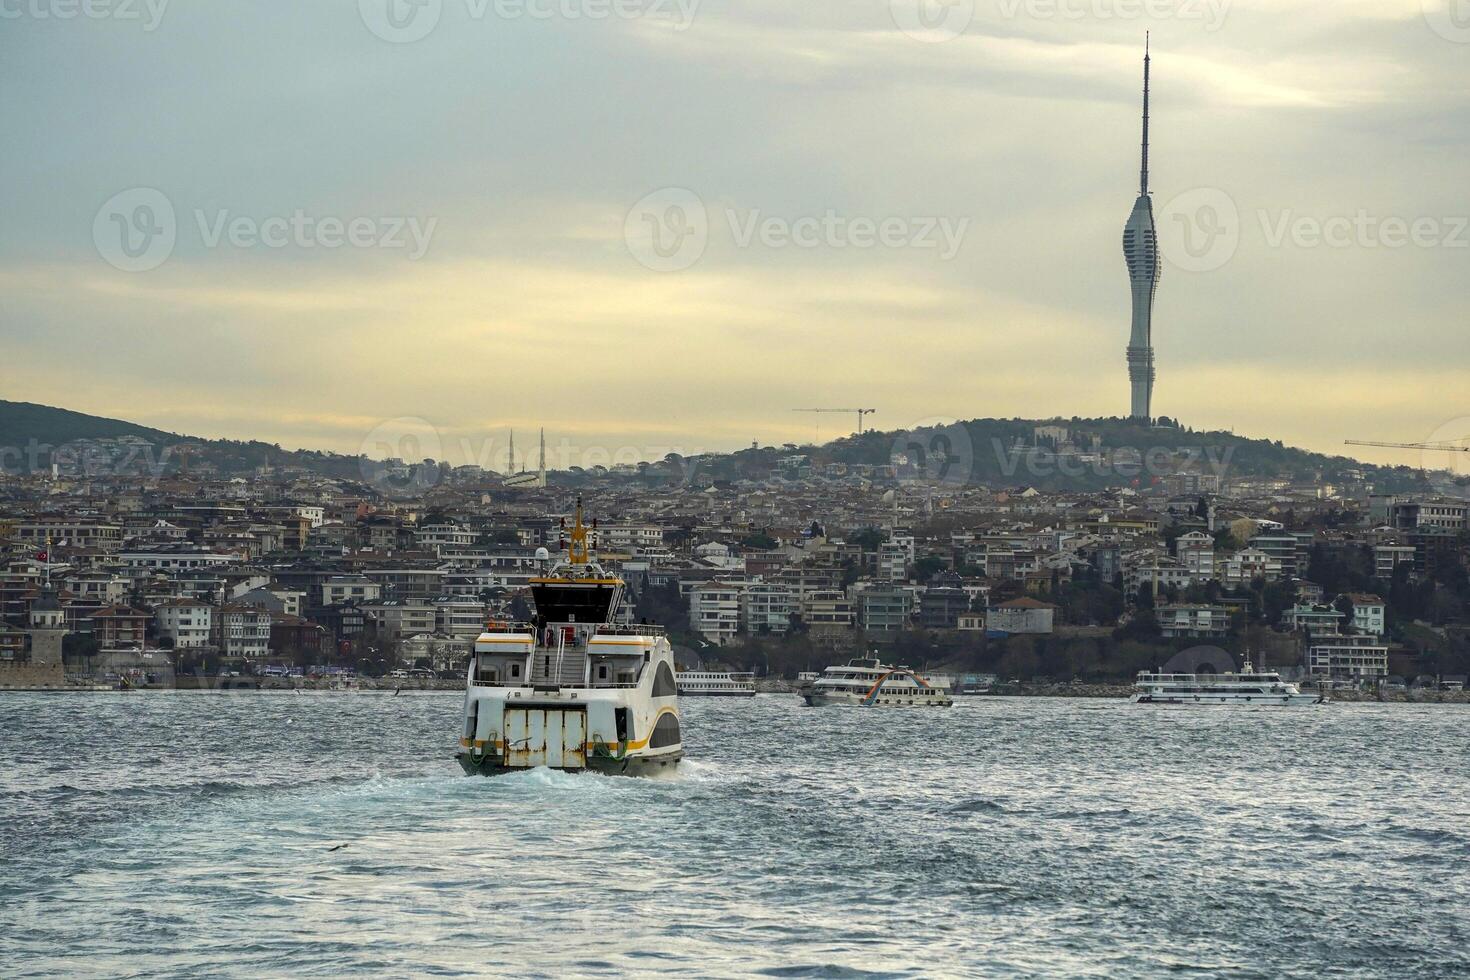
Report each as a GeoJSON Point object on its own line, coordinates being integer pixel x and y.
{"type": "Point", "coordinates": [42, 556]}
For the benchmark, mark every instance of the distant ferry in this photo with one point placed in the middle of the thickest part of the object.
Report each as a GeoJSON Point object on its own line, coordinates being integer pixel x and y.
{"type": "Point", "coordinates": [1247, 687]}
{"type": "Point", "coordinates": [867, 682]}
{"type": "Point", "coordinates": [715, 684]}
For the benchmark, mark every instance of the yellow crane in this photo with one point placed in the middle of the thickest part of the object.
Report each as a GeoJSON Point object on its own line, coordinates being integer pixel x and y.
{"type": "Point", "coordinates": [820, 411]}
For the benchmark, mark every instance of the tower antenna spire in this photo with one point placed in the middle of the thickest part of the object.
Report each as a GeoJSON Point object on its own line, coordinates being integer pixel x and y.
{"type": "Point", "coordinates": [1143, 170]}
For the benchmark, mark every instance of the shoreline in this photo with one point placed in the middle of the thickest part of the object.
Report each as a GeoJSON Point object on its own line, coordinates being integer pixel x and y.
{"type": "Point", "coordinates": [274, 685]}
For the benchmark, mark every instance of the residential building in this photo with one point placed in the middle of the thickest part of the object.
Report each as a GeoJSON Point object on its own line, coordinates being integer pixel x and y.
{"type": "Point", "coordinates": [1024, 615]}
{"type": "Point", "coordinates": [189, 623]}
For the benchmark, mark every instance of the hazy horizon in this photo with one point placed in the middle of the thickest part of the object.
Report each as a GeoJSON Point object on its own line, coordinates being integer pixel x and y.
{"type": "Point", "coordinates": [852, 206]}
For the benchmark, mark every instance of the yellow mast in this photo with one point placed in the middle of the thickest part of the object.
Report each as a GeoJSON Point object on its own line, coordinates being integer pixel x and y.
{"type": "Point", "coordinates": [577, 550]}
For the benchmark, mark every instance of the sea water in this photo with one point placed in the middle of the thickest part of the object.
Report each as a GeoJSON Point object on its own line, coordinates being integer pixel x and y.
{"type": "Point", "coordinates": [263, 834]}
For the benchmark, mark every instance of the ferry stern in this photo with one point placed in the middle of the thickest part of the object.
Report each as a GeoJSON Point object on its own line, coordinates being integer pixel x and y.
{"type": "Point", "coordinates": [572, 689]}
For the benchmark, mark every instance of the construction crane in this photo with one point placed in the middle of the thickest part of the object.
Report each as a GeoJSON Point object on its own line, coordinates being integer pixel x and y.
{"type": "Point", "coordinates": [820, 411]}
{"type": "Point", "coordinates": [1442, 447]}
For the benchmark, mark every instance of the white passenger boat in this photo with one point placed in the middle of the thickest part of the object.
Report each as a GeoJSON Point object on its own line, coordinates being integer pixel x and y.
{"type": "Point", "coordinates": [572, 689]}
{"type": "Point", "coordinates": [715, 684]}
{"type": "Point", "coordinates": [867, 682]}
{"type": "Point", "coordinates": [1247, 687]}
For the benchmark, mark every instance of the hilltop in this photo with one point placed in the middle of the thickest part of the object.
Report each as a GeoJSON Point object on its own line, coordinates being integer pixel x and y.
{"type": "Point", "coordinates": [33, 436]}
{"type": "Point", "coordinates": [1048, 454]}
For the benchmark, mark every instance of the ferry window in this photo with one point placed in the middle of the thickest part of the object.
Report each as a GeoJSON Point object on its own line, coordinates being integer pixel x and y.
{"type": "Point", "coordinates": [515, 670]}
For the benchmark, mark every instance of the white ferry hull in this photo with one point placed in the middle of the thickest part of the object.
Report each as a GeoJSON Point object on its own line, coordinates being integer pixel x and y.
{"type": "Point", "coordinates": [1287, 700]}
{"type": "Point", "coordinates": [880, 700]}
{"type": "Point", "coordinates": [716, 694]}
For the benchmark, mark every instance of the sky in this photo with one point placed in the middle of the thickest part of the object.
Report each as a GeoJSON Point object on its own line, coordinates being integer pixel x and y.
{"type": "Point", "coordinates": [661, 225]}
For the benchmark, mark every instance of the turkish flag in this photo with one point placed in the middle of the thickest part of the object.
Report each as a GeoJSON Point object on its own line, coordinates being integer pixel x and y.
{"type": "Point", "coordinates": [42, 556]}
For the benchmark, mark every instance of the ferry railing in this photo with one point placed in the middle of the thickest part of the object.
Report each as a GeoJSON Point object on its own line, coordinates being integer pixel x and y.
{"type": "Point", "coordinates": [629, 629]}
{"type": "Point", "coordinates": [509, 627]}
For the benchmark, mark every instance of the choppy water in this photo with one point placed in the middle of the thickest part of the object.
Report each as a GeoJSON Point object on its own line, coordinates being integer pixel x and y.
{"type": "Point", "coordinates": [201, 834]}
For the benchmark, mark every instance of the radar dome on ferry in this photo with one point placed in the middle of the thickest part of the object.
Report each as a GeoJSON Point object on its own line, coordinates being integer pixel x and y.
{"type": "Point", "coordinates": [542, 554]}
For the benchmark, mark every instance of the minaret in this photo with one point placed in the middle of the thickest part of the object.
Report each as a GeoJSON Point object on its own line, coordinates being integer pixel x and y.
{"type": "Point", "coordinates": [510, 462]}
{"type": "Point", "coordinates": [1141, 250]}
{"type": "Point", "coordinates": [541, 469]}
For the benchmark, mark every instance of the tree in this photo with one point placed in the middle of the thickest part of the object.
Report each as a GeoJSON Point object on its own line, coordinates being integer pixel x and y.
{"type": "Point", "coordinates": [1344, 605]}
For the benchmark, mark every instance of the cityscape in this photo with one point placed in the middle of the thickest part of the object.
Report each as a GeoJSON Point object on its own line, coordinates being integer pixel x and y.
{"type": "Point", "coordinates": [774, 560]}
{"type": "Point", "coordinates": [582, 488]}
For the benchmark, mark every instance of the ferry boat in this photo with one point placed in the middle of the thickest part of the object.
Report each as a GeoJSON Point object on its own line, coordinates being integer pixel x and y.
{"type": "Point", "coordinates": [572, 689]}
{"type": "Point", "coordinates": [1246, 687]}
{"type": "Point", "coordinates": [864, 681]}
{"type": "Point", "coordinates": [715, 684]}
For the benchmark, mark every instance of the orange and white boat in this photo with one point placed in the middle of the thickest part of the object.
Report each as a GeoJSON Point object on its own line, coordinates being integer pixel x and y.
{"type": "Point", "coordinates": [868, 683]}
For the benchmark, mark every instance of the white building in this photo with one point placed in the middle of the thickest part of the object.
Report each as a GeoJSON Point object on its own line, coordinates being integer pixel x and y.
{"type": "Point", "coordinates": [459, 616]}
{"type": "Point", "coordinates": [893, 562]}
{"type": "Point", "coordinates": [1369, 613]}
{"type": "Point", "coordinates": [1354, 658]}
{"type": "Point", "coordinates": [1184, 619]}
{"type": "Point", "coordinates": [1196, 552]}
{"type": "Point", "coordinates": [714, 610]}
{"type": "Point", "coordinates": [766, 607]}
{"type": "Point", "coordinates": [245, 632]}
{"type": "Point", "coordinates": [188, 622]}
{"type": "Point", "coordinates": [1242, 568]}
{"type": "Point", "coordinates": [1023, 615]}
{"type": "Point", "coordinates": [343, 588]}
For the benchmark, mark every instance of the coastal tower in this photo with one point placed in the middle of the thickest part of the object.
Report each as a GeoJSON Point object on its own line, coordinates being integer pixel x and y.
{"type": "Point", "coordinates": [47, 623]}
{"type": "Point", "coordinates": [1141, 251]}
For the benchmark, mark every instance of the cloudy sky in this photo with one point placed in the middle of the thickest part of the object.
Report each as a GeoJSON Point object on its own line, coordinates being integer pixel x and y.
{"type": "Point", "coordinates": [659, 224]}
